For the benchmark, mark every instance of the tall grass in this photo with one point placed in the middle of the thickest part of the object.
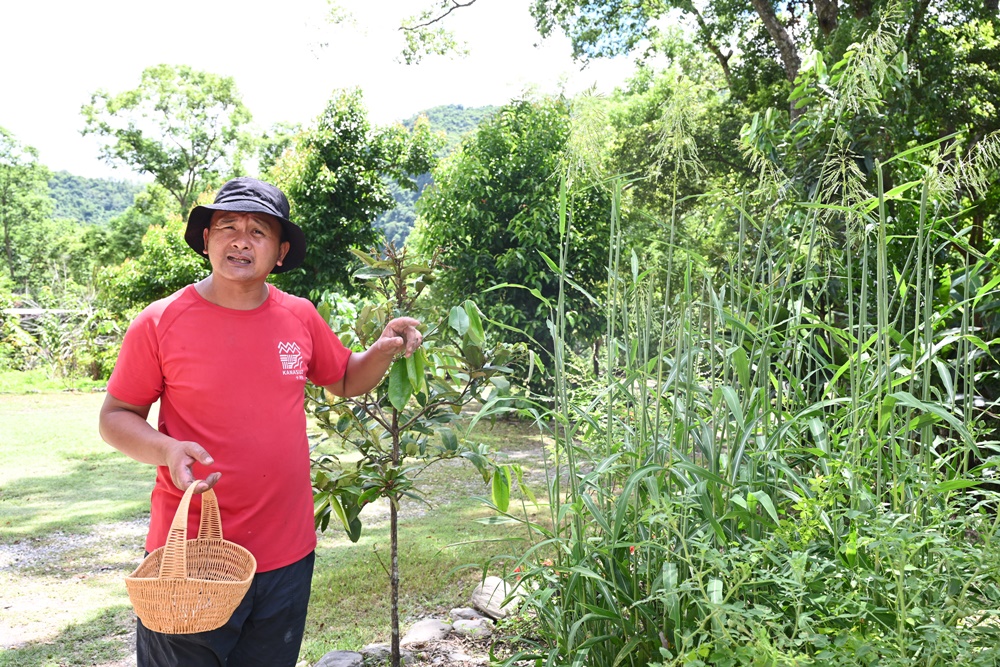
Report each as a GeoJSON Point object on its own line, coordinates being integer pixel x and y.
{"type": "Point", "coordinates": [783, 461]}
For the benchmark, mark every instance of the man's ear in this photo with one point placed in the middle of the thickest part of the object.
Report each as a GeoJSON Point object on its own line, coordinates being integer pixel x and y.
{"type": "Point", "coordinates": [204, 237]}
{"type": "Point", "coordinates": [283, 250]}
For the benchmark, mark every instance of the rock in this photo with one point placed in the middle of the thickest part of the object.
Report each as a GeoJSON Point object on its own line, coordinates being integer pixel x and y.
{"type": "Point", "coordinates": [464, 613]}
{"type": "Point", "coordinates": [341, 659]}
{"type": "Point", "coordinates": [475, 628]}
{"type": "Point", "coordinates": [381, 654]}
{"type": "Point", "coordinates": [490, 594]}
{"type": "Point", "coordinates": [429, 630]}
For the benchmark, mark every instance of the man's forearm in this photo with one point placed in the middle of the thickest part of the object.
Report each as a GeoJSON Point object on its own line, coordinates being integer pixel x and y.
{"type": "Point", "coordinates": [133, 436]}
{"type": "Point", "coordinates": [364, 372]}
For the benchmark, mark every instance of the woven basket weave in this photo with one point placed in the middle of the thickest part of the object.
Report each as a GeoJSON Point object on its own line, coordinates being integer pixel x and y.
{"type": "Point", "coordinates": [189, 586]}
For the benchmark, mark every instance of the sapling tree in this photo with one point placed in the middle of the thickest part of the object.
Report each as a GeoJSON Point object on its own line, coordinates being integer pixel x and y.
{"type": "Point", "coordinates": [415, 419]}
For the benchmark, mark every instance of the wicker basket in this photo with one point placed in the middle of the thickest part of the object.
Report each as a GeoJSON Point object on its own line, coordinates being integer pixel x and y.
{"type": "Point", "coordinates": [191, 586]}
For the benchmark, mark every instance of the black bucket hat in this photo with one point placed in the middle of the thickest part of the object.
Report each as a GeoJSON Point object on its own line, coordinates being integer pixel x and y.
{"type": "Point", "coordinates": [248, 195]}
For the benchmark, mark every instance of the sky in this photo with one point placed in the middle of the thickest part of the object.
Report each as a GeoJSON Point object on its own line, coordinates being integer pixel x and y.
{"type": "Point", "coordinates": [287, 58]}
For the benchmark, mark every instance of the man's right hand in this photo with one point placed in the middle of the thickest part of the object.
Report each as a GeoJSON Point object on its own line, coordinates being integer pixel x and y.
{"type": "Point", "coordinates": [181, 457]}
{"type": "Point", "coordinates": [124, 427]}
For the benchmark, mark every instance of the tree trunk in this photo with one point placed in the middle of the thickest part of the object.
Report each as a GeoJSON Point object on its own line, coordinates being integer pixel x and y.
{"type": "Point", "coordinates": [783, 41]}
{"type": "Point", "coordinates": [862, 8]}
{"type": "Point", "coordinates": [919, 12]}
{"type": "Point", "coordinates": [394, 548]}
{"type": "Point", "coordinates": [826, 15]}
{"type": "Point", "coordinates": [394, 578]}
{"type": "Point", "coordinates": [722, 58]}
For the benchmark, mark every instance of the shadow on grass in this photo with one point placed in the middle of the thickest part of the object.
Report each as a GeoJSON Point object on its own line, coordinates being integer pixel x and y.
{"type": "Point", "coordinates": [102, 639]}
{"type": "Point", "coordinates": [97, 488]}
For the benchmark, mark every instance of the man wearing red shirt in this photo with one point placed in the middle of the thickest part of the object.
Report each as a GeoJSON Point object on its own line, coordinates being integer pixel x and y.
{"type": "Point", "coordinates": [228, 358]}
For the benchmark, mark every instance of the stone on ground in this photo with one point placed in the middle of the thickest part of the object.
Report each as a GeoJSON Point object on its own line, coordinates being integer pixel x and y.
{"type": "Point", "coordinates": [380, 654]}
{"type": "Point", "coordinates": [341, 659]}
{"type": "Point", "coordinates": [428, 630]}
{"type": "Point", "coordinates": [464, 613]}
{"type": "Point", "coordinates": [474, 628]}
{"type": "Point", "coordinates": [488, 598]}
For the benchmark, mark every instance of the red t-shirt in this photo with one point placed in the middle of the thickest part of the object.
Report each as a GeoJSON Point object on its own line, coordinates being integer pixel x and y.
{"type": "Point", "coordinates": [233, 381]}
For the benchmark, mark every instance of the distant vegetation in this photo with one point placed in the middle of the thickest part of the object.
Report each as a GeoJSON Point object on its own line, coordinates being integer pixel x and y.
{"type": "Point", "coordinates": [94, 201]}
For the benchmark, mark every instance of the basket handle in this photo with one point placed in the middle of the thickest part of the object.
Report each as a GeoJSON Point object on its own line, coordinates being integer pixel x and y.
{"type": "Point", "coordinates": [173, 565]}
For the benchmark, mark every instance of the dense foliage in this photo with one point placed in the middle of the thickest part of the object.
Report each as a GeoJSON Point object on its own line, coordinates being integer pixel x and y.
{"type": "Point", "coordinates": [494, 215]}
{"type": "Point", "coordinates": [336, 181]}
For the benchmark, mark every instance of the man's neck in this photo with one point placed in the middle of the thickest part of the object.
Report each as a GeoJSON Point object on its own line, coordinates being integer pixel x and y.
{"type": "Point", "coordinates": [236, 296]}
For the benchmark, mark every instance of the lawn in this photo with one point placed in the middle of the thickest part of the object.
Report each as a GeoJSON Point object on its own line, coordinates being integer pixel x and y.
{"type": "Point", "coordinates": [72, 521]}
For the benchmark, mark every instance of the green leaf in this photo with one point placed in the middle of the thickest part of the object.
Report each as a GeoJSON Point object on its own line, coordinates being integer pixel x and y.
{"type": "Point", "coordinates": [400, 389]}
{"type": "Point", "coordinates": [324, 311]}
{"type": "Point", "coordinates": [458, 320]}
{"type": "Point", "coordinates": [475, 330]}
{"type": "Point", "coordinates": [954, 484]}
{"type": "Point", "coordinates": [501, 488]}
{"type": "Point", "coordinates": [548, 260]}
{"type": "Point", "coordinates": [767, 503]}
{"type": "Point", "coordinates": [415, 369]}
{"type": "Point", "coordinates": [370, 273]}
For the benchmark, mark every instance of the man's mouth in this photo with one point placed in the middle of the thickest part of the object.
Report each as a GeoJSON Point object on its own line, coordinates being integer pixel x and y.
{"type": "Point", "coordinates": [238, 259]}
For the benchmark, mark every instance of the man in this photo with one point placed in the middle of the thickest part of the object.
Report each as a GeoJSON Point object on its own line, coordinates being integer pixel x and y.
{"type": "Point", "coordinates": [228, 358]}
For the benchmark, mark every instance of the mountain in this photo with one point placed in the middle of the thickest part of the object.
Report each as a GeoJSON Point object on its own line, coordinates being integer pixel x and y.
{"type": "Point", "coordinates": [455, 121]}
{"type": "Point", "coordinates": [92, 201]}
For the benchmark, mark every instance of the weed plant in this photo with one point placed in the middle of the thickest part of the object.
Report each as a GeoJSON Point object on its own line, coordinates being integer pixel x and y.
{"type": "Point", "coordinates": [786, 458]}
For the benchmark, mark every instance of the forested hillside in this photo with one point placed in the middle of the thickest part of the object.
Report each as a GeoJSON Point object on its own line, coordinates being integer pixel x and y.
{"type": "Point", "coordinates": [90, 200]}
{"type": "Point", "coordinates": [455, 121]}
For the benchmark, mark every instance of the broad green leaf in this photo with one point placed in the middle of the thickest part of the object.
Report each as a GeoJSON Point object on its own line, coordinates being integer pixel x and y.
{"type": "Point", "coordinates": [742, 364]}
{"type": "Point", "coordinates": [400, 389]}
{"type": "Point", "coordinates": [502, 384]}
{"type": "Point", "coordinates": [501, 488]}
{"type": "Point", "coordinates": [475, 331]}
{"type": "Point", "coordinates": [458, 319]}
{"type": "Point", "coordinates": [324, 311]}
{"type": "Point", "coordinates": [415, 369]}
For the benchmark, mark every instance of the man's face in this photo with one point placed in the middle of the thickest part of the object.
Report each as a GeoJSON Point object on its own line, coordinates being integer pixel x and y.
{"type": "Point", "coordinates": [244, 246]}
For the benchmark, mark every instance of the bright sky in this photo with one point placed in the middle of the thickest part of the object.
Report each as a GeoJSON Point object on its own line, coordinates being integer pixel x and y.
{"type": "Point", "coordinates": [286, 61]}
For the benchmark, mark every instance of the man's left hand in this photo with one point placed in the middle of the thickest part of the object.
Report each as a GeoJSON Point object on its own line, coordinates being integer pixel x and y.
{"type": "Point", "coordinates": [401, 336]}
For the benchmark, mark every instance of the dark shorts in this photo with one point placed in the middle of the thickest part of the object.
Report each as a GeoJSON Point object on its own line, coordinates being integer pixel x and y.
{"type": "Point", "coordinates": [265, 630]}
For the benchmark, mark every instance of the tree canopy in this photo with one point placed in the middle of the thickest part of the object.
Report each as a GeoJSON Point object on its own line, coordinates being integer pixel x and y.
{"type": "Point", "coordinates": [337, 180]}
{"type": "Point", "coordinates": [494, 209]}
{"type": "Point", "coordinates": [24, 206]}
{"type": "Point", "coordinates": [185, 127]}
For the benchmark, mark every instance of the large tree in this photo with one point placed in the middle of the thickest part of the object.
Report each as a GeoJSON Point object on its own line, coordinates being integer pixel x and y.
{"type": "Point", "coordinates": [184, 127]}
{"type": "Point", "coordinates": [494, 209]}
{"type": "Point", "coordinates": [24, 205]}
{"type": "Point", "coordinates": [336, 177]}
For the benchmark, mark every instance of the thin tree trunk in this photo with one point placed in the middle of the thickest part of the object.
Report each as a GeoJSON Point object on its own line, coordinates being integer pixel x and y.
{"type": "Point", "coordinates": [783, 41]}
{"type": "Point", "coordinates": [723, 58]}
{"type": "Point", "coordinates": [394, 548]}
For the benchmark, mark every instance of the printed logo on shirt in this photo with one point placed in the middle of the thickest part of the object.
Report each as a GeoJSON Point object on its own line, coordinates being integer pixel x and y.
{"type": "Point", "coordinates": [291, 359]}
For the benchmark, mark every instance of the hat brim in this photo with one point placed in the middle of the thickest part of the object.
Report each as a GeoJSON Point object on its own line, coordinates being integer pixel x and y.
{"type": "Point", "coordinates": [202, 215]}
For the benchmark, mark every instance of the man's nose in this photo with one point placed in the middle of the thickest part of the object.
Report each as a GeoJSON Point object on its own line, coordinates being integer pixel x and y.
{"type": "Point", "coordinates": [241, 239]}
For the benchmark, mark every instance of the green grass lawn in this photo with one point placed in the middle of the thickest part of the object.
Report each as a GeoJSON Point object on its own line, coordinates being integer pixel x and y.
{"type": "Point", "coordinates": [72, 519]}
